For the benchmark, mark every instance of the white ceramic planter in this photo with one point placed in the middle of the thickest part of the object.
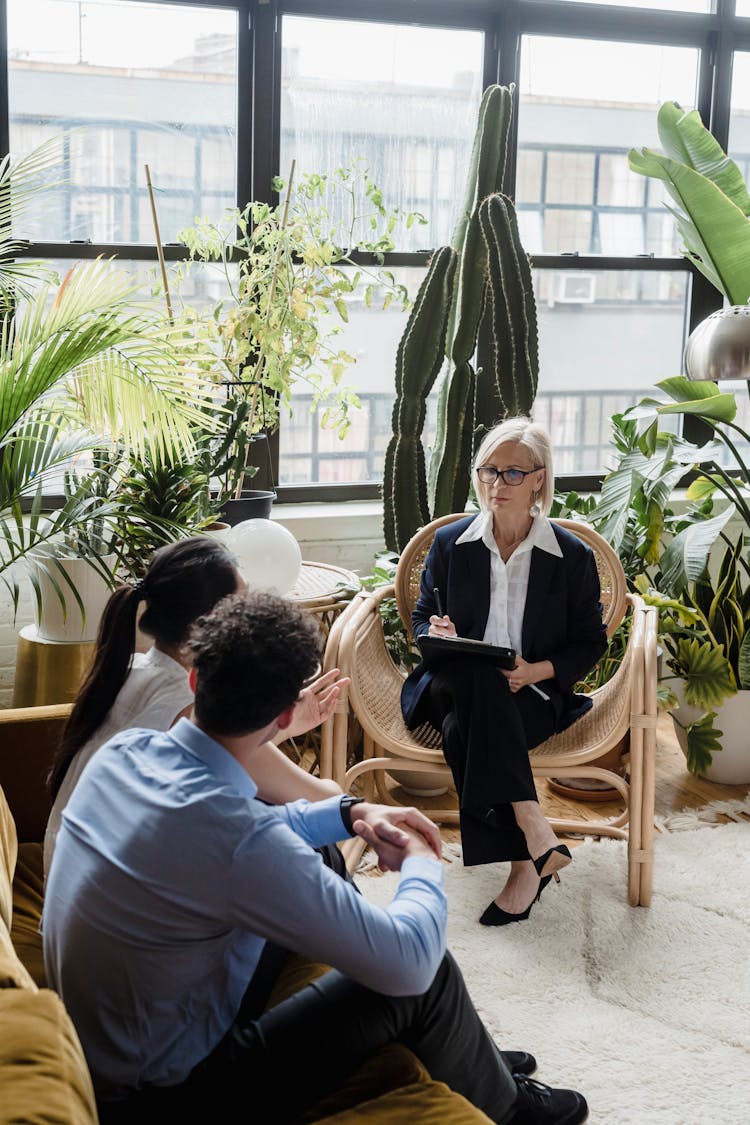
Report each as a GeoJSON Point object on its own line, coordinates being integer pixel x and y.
{"type": "Point", "coordinates": [731, 766]}
{"type": "Point", "coordinates": [58, 622]}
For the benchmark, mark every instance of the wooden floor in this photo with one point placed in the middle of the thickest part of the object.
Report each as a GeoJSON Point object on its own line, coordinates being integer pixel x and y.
{"type": "Point", "coordinates": [676, 789]}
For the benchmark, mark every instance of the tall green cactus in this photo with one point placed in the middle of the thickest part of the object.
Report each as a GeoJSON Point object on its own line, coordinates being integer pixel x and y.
{"type": "Point", "coordinates": [512, 308]}
{"type": "Point", "coordinates": [487, 279]}
{"type": "Point", "coordinates": [418, 362]}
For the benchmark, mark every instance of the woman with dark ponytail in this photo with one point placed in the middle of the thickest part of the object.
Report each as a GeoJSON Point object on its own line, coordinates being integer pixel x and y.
{"type": "Point", "coordinates": [125, 689]}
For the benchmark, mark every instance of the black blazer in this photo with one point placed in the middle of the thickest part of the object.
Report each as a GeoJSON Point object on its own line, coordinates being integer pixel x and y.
{"type": "Point", "coordinates": [562, 619]}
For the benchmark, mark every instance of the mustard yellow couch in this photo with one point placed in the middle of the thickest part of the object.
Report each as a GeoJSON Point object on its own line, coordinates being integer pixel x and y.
{"type": "Point", "coordinates": [43, 1075]}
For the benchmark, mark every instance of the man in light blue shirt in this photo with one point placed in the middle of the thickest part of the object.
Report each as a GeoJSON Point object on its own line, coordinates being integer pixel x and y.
{"type": "Point", "coordinates": [169, 878]}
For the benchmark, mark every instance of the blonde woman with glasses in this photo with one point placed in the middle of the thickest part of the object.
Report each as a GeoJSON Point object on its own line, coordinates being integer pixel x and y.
{"type": "Point", "coordinates": [510, 577]}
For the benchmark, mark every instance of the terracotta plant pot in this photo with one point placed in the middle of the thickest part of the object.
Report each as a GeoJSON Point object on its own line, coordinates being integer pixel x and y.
{"type": "Point", "coordinates": [590, 789]}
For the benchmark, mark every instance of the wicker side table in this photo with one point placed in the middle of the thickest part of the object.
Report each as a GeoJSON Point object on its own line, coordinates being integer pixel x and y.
{"type": "Point", "coordinates": [316, 591]}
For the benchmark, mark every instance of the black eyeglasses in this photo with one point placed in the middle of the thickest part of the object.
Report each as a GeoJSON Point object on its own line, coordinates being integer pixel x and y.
{"type": "Point", "coordinates": [488, 474]}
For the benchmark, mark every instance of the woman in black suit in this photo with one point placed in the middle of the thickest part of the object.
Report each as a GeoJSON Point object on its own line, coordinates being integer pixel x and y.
{"type": "Point", "coordinates": [511, 577]}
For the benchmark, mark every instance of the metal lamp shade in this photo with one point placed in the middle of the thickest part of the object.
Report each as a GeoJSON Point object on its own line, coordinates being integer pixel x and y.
{"type": "Point", "coordinates": [719, 348]}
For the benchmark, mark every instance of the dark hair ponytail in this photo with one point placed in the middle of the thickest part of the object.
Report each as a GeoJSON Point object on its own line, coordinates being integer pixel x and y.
{"type": "Point", "coordinates": [184, 580]}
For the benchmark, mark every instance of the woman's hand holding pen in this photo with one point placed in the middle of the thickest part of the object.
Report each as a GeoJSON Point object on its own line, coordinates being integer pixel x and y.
{"type": "Point", "coordinates": [440, 623]}
{"type": "Point", "coordinates": [442, 627]}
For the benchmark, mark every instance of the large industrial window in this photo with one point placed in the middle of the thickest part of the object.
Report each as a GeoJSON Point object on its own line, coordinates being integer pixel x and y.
{"type": "Point", "coordinates": [218, 97]}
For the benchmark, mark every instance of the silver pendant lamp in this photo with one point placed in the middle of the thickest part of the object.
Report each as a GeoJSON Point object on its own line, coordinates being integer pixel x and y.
{"type": "Point", "coordinates": [719, 348]}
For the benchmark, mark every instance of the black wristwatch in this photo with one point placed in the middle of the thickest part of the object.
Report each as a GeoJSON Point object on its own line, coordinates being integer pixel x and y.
{"type": "Point", "coordinates": [346, 810]}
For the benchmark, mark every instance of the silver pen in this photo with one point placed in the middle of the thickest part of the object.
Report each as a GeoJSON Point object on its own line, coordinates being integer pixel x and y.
{"type": "Point", "coordinates": [539, 691]}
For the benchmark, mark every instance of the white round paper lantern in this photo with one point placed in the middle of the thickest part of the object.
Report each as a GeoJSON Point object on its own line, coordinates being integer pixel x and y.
{"type": "Point", "coordinates": [268, 555]}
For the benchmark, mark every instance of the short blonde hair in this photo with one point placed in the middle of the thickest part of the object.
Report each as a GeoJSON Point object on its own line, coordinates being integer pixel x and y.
{"type": "Point", "coordinates": [530, 435]}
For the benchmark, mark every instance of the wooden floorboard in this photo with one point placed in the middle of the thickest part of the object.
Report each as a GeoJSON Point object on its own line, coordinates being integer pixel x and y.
{"type": "Point", "coordinates": [676, 789]}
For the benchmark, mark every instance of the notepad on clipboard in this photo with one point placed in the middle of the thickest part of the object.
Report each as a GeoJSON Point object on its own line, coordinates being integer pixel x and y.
{"type": "Point", "coordinates": [435, 650]}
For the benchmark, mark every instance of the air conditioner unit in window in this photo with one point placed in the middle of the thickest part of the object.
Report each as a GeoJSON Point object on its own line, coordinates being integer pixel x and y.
{"type": "Point", "coordinates": [575, 288]}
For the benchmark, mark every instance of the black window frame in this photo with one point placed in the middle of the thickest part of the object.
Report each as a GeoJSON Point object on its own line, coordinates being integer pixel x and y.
{"type": "Point", "coordinates": [716, 35]}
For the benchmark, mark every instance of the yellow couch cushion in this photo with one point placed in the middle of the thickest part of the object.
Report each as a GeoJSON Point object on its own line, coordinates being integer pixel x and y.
{"type": "Point", "coordinates": [28, 899]}
{"type": "Point", "coordinates": [429, 1103]}
{"type": "Point", "coordinates": [43, 1074]}
{"type": "Point", "coordinates": [391, 1088]}
{"type": "Point", "coordinates": [391, 1068]}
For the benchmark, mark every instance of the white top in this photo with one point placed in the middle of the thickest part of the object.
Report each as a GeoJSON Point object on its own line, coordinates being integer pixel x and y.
{"type": "Point", "coordinates": [155, 692]}
{"type": "Point", "coordinates": [509, 581]}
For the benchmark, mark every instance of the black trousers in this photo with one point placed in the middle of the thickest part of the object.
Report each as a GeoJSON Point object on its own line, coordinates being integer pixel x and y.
{"type": "Point", "coordinates": [267, 1071]}
{"type": "Point", "coordinates": [487, 734]}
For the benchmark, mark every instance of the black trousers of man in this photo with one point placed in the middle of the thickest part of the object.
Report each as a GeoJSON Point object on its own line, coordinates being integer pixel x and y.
{"type": "Point", "coordinates": [487, 734]}
{"type": "Point", "coordinates": [268, 1070]}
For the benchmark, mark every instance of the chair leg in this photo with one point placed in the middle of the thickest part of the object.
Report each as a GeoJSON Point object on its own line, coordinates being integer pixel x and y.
{"type": "Point", "coordinates": [352, 851]}
{"type": "Point", "coordinates": [647, 819]}
{"type": "Point", "coordinates": [370, 779]}
{"type": "Point", "coordinates": [649, 757]}
{"type": "Point", "coordinates": [636, 806]}
{"type": "Point", "coordinates": [339, 746]}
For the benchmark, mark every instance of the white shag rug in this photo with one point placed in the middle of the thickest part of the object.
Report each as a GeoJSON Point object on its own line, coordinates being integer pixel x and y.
{"type": "Point", "coordinates": [646, 1011]}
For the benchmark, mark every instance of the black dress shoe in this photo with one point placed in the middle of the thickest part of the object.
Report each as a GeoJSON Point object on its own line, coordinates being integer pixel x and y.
{"type": "Point", "coordinates": [494, 915]}
{"type": "Point", "coordinates": [538, 1104]}
{"type": "Point", "coordinates": [519, 1062]}
{"type": "Point", "coordinates": [552, 860]}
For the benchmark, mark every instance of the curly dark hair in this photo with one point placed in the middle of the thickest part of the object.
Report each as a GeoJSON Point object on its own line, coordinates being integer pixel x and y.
{"type": "Point", "coordinates": [251, 654]}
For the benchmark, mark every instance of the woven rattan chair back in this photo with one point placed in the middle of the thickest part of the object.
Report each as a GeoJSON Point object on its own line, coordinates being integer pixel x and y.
{"type": "Point", "coordinates": [611, 576]}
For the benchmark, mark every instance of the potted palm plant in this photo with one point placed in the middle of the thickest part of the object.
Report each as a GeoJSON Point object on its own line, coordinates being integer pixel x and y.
{"type": "Point", "coordinates": [82, 364]}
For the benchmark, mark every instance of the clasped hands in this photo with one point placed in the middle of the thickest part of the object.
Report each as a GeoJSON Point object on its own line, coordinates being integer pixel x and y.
{"type": "Point", "coordinates": [394, 834]}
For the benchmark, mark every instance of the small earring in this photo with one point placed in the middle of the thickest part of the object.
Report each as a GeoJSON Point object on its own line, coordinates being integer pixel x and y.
{"type": "Point", "coordinates": [535, 509]}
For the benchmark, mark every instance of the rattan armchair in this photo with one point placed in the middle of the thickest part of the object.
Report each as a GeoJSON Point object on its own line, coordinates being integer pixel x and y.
{"type": "Point", "coordinates": [625, 704]}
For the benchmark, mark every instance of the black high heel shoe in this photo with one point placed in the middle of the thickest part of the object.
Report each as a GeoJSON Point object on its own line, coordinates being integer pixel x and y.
{"type": "Point", "coordinates": [494, 915]}
{"type": "Point", "coordinates": [552, 861]}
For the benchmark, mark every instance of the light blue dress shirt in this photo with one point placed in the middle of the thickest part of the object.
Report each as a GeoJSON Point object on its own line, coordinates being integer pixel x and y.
{"type": "Point", "coordinates": [167, 877]}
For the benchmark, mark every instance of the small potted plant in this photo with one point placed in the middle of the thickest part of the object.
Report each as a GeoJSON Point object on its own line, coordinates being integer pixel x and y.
{"type": "Point", "coordinates": [290, 274]}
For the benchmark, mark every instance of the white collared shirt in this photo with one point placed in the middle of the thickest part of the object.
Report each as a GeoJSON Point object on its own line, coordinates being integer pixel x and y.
{"type": "Point", "coordinates": [509, 581]}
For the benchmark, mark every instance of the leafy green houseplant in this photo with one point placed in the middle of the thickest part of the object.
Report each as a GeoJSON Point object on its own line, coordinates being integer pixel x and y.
{"type": "Point", "coordinates": [690, 562]}
{"type": "Point", "coordinates": [84, 364]}
{"type": "Point", "coordinates": [290, 276]}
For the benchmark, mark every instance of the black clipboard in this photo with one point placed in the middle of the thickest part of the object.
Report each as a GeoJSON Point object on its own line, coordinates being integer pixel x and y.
{"type": "Point", "coordinates": [435, 650]}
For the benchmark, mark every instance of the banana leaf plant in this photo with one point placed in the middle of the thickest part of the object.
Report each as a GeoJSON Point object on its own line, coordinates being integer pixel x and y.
{"type": "Point", "coordinates": [712, 204]}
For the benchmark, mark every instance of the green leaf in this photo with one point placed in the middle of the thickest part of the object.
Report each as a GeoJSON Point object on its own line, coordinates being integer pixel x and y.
{"type": "Point", "coordinates": [647, 440]}
{"type": "Point", "coordinates": [706, 672]}
{"type": "Point", "coordinates": [715, 231]}
{"type": "Point", "coordinates": [703, 741]}
{"type": "Point", "coordinates": [700, 488]}
{"type": "Point", "coordinates": [618, 490]}
{"type": "Point", "coordinates": [721, 408]}
{"type": "Point", "coordinates": [686, 557]}
{"type": "Point", "coordinates": [685, 139]}
{"type": "Point", "coordinates": [743, 663]}
{"type": "Point", "coordinates": [681, 389]}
